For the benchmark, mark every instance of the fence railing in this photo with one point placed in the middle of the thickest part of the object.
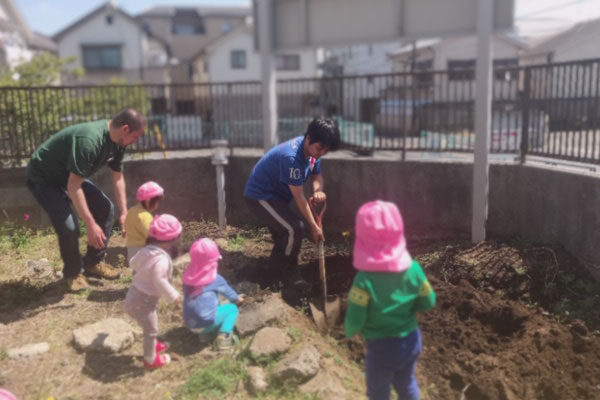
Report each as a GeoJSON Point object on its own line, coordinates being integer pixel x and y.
{"type": "Point", "coordinates": [549, 110]}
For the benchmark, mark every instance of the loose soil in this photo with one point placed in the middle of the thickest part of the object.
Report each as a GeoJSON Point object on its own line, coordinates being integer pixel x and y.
{"type": "Point", "coordinates": [513, 321]}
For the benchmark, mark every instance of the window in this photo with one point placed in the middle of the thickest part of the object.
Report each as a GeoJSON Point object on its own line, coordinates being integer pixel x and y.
{"type": "Point", "coordinates": [109, 19]}
{"type": "Point", "coordinates": [227, 27]}
{"type": "Point", "coordinates": [461, 70]}
{"type": "Point", "coordinates": [102, 57]}
{"type": "Point", "coordinates": [146, 27]}
{"type": "Point", "coordinates": [187, 29]}
{"type": "Point", "coordinates": [238, 59]}
{"type": "Point", "coordinates": [288, 62]}
{"type": "Point", "coordinates": [189, 71]}
{"type": "Point", "coordinates": [503, 74]}
{"type": "Point", "coordinates": [424, 77]}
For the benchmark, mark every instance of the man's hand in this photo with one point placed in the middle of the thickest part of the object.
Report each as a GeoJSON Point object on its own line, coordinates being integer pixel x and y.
{"type": "Point", "coordinates": [95, 236]}
{"type": "Point", "coordinates": [241, 298]}
{"type": "Point", "coordinates": [317, 234]}
{"type": "Point", "coordinates": [122, 221]}
{"type": "Point", "coordinates": [319, 197]}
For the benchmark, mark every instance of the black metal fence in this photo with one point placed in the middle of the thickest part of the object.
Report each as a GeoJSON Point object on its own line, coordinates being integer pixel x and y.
{"type": "Point", "coordinates": [549, 110]}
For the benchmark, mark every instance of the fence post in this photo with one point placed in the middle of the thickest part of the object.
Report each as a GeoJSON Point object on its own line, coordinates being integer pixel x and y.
{"type": "Point", "coordinates": [525, 103]}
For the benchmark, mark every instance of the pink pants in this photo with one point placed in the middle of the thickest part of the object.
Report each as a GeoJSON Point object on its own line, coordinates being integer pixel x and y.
{"type": "Point", "coordinates": [142, 308]}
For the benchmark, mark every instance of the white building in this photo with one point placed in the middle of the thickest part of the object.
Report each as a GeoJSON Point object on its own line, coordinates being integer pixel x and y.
{"type": "Point", "coordinates": [361, 59]}
{"type": "Point", "coordinates": [109, 43]}
{"type": "Point", "coordinates": [17, 42]}
{"type": "Point", "coordinates": [577, 43]}
{"type": "Point", "coordinates": [233, 58]}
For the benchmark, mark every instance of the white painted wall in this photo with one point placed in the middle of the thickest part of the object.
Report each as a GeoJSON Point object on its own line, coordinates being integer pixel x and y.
{"type": "Point", "coordinates": [364, 59]}
{"type": "Point", "coordinates": [14, 48]}
{"type": "Point", "coordinates": [96, 31]}
{"type": "Point", "coordinates": [578, 47]}
{"type": "Point", "coordinates": [219, 60]}
{"type": "Point", "coordinates": [463, 48]}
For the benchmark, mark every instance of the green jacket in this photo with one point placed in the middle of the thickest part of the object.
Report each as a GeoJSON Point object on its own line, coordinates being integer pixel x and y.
{"type": "Point", "coordinates": [383, 304]}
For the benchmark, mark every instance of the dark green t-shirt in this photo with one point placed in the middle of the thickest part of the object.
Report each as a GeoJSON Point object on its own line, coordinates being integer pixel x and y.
{"type": "Point", "coordinates": [81, 149]}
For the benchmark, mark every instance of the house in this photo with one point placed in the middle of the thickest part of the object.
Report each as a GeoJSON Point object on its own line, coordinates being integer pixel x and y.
{"type": "Point", "coordinates": [109, 43]}
{"type": "Point", "coordinates": [188, 30]}
{"type": "Point", "coordinates": [233, 58]}
{"type": "Point", "coordinates": [359, 59]}
{"type": "Point", "coordinates": [17, 42]}
{"type": "Point", "coordinates": [577, 43]}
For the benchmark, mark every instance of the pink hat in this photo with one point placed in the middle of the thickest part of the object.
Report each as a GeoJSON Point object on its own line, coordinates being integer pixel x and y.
{"type": "Point", "coordinates": [165, 227]}
{"type": "Point", "coordinates": [204, 255]}
{"type": "Point", "coordinates": [380, 245]}
{"type": "Point", "coordinates": [6, 395]}
{"type": "Point", "coordinates": [149, 190]}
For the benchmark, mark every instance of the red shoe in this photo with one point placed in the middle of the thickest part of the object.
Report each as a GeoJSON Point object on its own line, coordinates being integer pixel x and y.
{"type": "Point", "coordinates": [161, 360]}
{"type": "Point", "coordinates": [160, 346]}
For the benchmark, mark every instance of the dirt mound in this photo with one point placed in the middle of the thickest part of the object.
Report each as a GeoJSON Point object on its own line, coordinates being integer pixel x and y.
{"type": "Point", "coordinates": [543, 276]}
{"type": "Point", "coordinates": [491, 348]}
{"type": "Point", "coordinates": [480, 343]}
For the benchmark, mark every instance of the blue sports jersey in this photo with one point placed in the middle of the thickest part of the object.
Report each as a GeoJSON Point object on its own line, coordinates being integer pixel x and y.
{"type": "Point", "coordinates": [283, 165]}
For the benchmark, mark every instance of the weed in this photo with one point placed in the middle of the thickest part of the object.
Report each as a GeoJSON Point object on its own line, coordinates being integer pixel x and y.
{"type": "Point", "coordinates": [295, 333]}
{"type": "Point", "coordinates": [214, 380]}
{"type": "Point", "coordinates": [338, 361]}
{"type": "Point", "coordinates": [13, 236]}
{"type": "Point", "coordinates": [236, 243]}
{"type": "Point", "coordinates": [84, 293]}
{"type": "Point", "coordinates": [125, 279]}
{"type": "Point", "coordinates": [3, 354]}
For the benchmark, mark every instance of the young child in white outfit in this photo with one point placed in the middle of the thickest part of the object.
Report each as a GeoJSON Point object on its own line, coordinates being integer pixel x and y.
{"type": "Point", "coordinates": [153, 271]}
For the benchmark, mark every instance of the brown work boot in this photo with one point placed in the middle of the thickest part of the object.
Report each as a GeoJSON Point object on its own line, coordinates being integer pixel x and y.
{"type": "Point", "coordinates": [102, 270]}
{"type": "Point", "coordinates": [76, 283]}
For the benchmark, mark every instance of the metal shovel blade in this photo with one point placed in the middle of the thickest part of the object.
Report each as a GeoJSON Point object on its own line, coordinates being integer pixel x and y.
{"type": "Point", "coordinates": [330, 316]}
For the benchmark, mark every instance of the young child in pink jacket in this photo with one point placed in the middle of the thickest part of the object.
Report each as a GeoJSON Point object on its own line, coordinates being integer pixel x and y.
{"type": "Point", "coordinates": [153, 271]}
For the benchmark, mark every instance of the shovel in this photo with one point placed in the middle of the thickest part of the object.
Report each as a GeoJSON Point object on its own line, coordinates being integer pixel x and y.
{"type": "Point", "coordinates": [331, 304]}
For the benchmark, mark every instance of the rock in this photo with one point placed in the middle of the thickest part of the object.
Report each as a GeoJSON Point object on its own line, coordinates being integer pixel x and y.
{"type": "Point", "coordinates": [300, 365]}
{"type": "Point", "coordinates": [110, 335]}
{"type": "Point", "coordinates": [269, 341]}
{"type": "Point", "coordinates": [257, 315]}
{"type": "Point", "coordinates": [325, 385]}
{"type": "Point", "coordinates": [40, 268]}
{"type": "Point", "coordinates": [257, 380]}
{"type": "Point", "coordinates": [28, 351]}
{"type": "Point", "coordinates": [181, 262]}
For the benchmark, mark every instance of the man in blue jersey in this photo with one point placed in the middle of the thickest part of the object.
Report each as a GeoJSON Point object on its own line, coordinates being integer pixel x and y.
{"type": "Point", "coordinates": [276, 179]}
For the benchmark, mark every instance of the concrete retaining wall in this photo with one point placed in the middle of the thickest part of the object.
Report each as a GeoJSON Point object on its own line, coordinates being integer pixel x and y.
{"type": "Point", "coordinates": [435, 197]}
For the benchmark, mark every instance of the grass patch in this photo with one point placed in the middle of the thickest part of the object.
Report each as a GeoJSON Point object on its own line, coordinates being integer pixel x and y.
{"type": "Point", "coordinates": [295, 333]}
{"type": "Point", "coordinates": [213, 381]}
{"type": "Point", "coordinates": [236, 243]}
{"type": "Point", "coordinates": [3, 354]}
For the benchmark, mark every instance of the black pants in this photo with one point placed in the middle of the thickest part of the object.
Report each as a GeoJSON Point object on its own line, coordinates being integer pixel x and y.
{"type": "Point", "coordinates": [57, 204]}
{"type": "Point", "coordinates": [286, 227]}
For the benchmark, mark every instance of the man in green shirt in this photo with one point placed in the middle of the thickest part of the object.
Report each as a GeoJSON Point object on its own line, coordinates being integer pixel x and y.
{"type": "Point", "coordinates": [56, 175]}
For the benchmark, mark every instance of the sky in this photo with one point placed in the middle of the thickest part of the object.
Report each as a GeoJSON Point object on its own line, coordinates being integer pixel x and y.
{"type": "Point", "coordinates": [533, 17]}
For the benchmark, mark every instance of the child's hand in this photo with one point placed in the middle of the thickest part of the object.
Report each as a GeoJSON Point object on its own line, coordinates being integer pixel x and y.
{"type": "Point", "coordinates": [241, 298]}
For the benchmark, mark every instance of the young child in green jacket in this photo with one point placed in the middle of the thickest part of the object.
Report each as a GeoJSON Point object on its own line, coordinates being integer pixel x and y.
{"type": "Point", "coordinates": [388, 290]}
